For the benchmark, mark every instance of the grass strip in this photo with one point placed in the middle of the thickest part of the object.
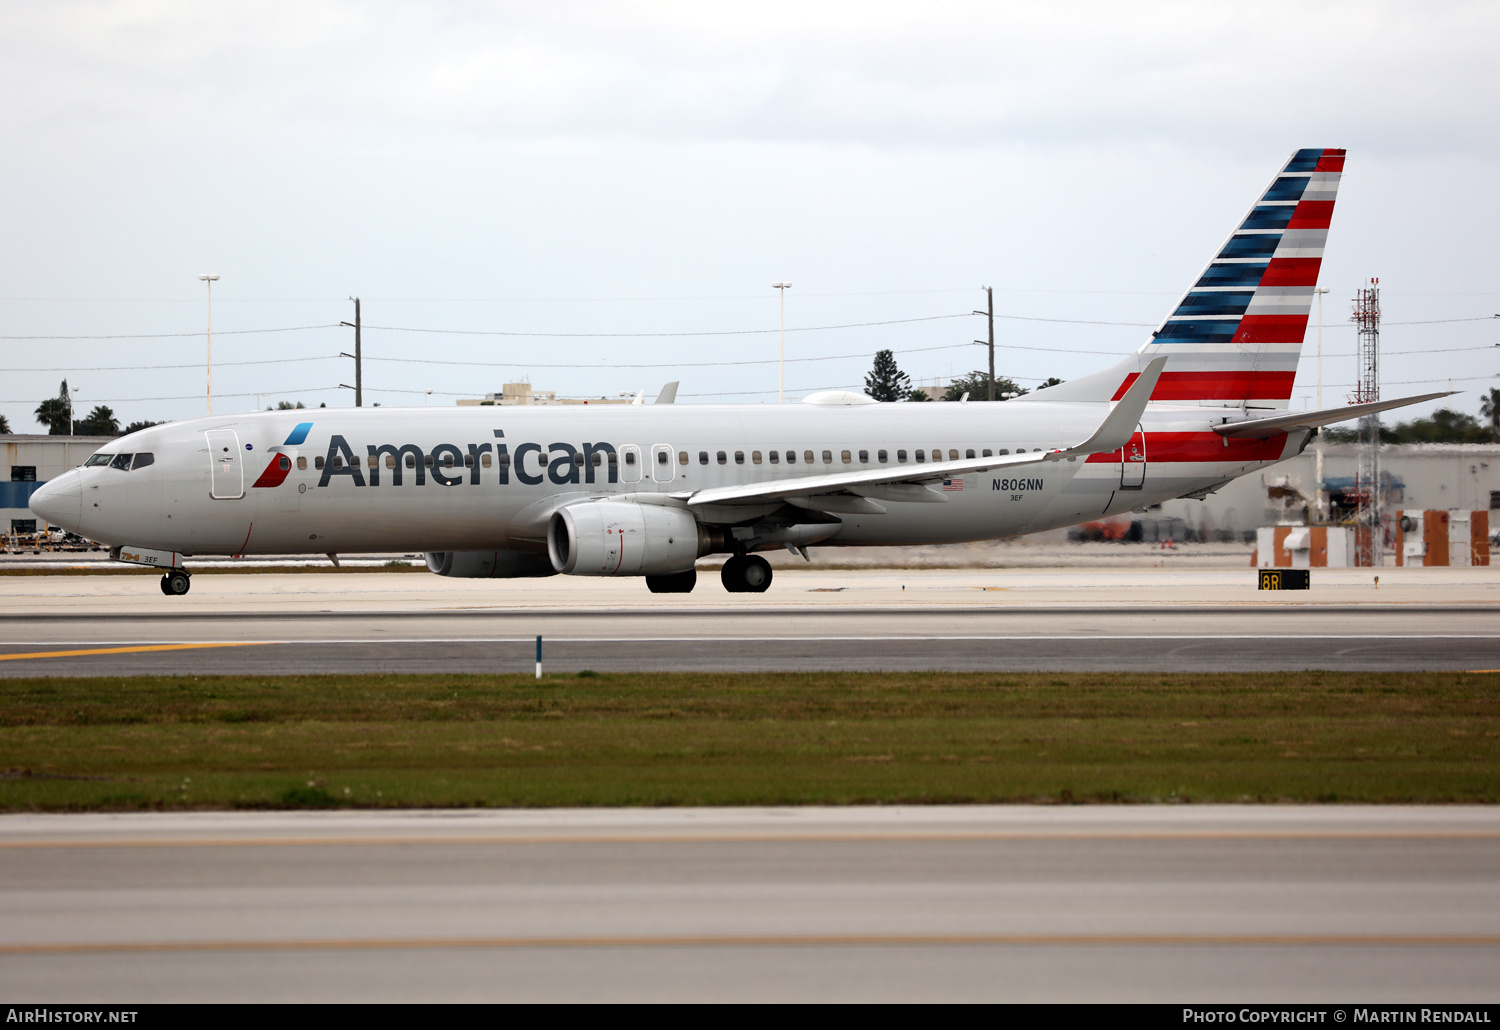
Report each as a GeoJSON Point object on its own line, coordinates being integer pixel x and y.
{"type": "Point", "coordinates": [732, 739]}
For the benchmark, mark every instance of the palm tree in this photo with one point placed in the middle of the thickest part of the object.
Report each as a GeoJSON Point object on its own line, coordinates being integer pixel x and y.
{"type": "Point", "coordinates": [1489, 407]}
{"type": "Point", "coordinates": [101, 422]}
{"type": "Point", "coordinates": [56, 413]}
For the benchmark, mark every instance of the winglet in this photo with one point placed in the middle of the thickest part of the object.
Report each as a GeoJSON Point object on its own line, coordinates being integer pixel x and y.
{"type": "Point", "coordinates": [668, 393]}
{"type": "Point", "coordinates": [1120, 424]}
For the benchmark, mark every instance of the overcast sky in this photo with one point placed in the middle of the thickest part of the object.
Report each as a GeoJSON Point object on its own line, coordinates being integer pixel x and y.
{"type": "Point", "coordinates": [651, 168]}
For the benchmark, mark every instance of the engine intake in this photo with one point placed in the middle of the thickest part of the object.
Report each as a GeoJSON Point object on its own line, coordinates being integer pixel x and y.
{"type": "Point", "coordinates": [622, 538]}
{"type": "Point", "coordinates": [488, 564]}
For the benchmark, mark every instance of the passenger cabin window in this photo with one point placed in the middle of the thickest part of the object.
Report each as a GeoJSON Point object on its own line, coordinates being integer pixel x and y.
{"type": "Point", "coordinates": [739, 458]}
{"type": "Point", "coordinates": [285, 464]}
{"type": "Point", "coordinates": [1002, 451]}
{"type": "Point", "coordinates": [484, 459]}
{"type": "Point", "coordinates": [578, 457]}
{"type": "Point", "coordinates": [703, 457]}
{"type": "Point", "coordinates": [94, 459]}
{"type": "Point", "coordinates": [338, 461]}
{"type": "Point", "coordinates": [597, 459]}
{"type": "Point", "coordinates": [919, 454]}
{"type": "Point", "coordinates": [724, 458]}
{"type": "Point", "coordinates": [142, 459]}
{"type": "Point", "coordinates": [468, 461]}
{"type": "Point", "coordinates": [775, 457]}
{"type": "Point", "coordinates": [629, 457]}
{"type": "Point", "coordinates": [427, 460]}
{"type": "Point", "coordinates": [846, 456]}
{"type": "Point", "coordinates": [864, 457]}
{"type": "Point", "coordinates": [985, 454]}
{"type": "Point", "coordinates": [791, 457]}
{"type": "Point", "coordinates": [953, 454]}
{"type": "Point", "coordinates": [121, 461]}
{"type": "Point", "coordinates": [807, 456]}
{"type": "Point", "coordinates": [755, 457]}
{"type": "Point", "coordinates": [828, 457]}
{"type": "Point", "coordinates": [682, 458]}
{"type": "Point", "coordinates": [900, 456]}
{"type": "Point", "coordinates": [302, 464]}
{"type": "Point", "coordinates": [411, 461]}
{"type": "Point", "coordinates": [661, 457]}
{"type": "Point", "coordinates": [882, 457]}
{"type": "Point", "coordinates": [969, 453]}
{"type": "Point", "coordinates": [318, 462]}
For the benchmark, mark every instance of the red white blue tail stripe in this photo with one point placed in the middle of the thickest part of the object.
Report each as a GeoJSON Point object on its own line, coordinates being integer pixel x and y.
{"type": "Point", "coordinates": [1235, 337]}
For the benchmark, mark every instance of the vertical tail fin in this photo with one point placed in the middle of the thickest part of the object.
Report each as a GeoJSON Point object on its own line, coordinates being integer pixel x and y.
{"type": "Point", "coordinates": [1235, 336]}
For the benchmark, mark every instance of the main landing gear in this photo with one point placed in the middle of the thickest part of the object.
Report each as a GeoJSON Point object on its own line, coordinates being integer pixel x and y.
{"type": "Point", "coordinates": [175, 582]}
{"type": "Point", "coordinates": [674, 583]}
{"type": "Point", "coordinates": [746, 574]}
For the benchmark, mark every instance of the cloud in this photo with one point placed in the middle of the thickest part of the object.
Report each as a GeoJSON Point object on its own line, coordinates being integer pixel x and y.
{"type": "Point", "coordinates": [878, 74]}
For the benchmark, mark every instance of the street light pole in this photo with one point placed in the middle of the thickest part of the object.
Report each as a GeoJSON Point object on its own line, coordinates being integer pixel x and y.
{"type": "Point", "coordinates": [72, 418]}
{"type": "Point", "coordinates": [781, 370]}
{"type": "Point", "coordinates": [209, 281]}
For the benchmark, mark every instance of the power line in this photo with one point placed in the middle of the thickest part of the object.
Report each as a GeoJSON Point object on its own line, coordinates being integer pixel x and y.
{"type": "Point", "coordinates": [711, 332]}
{"type": "Point", "coordinates": [144, 368]}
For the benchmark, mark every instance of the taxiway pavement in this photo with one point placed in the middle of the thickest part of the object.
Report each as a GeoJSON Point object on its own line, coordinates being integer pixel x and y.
{"type": "Point", "coordinates": [1183, 904]}
{"type": "Point", "coordinates": [1169, 620]}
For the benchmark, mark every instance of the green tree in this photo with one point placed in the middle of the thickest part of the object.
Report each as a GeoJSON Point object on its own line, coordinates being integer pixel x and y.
{"type": "Point", "coordinates": [1489, 407]}
{"type": "Point", "coordinates": [287, 406]}
{"type": "Point", "coordinates": [136, 427]}
{"type": "Point", "coordinates": [1051, 381]}
{"type": "Point", "coordinates": [977, 385]}
{"type": "Point", "coordinates": [919, 395]}
{"type": "Point", "coordinates": [56, 413]}
{"type": "Point", "coordinates": [886, 382]}
{"type": "Point", "coordinates": [4, 424]}
{"type": "Point", "coordinates": [101, 422]}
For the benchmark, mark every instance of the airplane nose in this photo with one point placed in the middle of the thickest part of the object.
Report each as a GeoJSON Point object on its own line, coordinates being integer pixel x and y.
{"type": "Point", "coordinates": [60, 501]}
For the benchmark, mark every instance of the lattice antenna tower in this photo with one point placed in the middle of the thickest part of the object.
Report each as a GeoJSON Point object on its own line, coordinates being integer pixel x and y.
{"type": "Point", "coordinates": [1366, 319]}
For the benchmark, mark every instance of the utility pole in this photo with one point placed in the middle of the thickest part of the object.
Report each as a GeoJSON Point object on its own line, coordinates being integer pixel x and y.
{"type": "Point", "coordinates": [358, 356]}
{"type": "Point", "coordinates": [1321, 500]}
{"type": "Point", "coordinates": [990, 293]}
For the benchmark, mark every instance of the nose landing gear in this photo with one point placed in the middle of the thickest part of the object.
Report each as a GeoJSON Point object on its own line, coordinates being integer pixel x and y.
{"type": "Point", "coordinates": [175, 582]}
{"type": "Point", "coordinates": [746, 574]}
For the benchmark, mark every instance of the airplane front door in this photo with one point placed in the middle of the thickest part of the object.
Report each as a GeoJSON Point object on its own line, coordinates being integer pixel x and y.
{"type": "Point", "coordinates": [226, 475]}
{"type": "Point", "coordinates": [1133, 462]}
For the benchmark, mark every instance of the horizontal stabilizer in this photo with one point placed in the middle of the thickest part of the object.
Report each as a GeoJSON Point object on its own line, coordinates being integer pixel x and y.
{"type": "Point", "coordinates": [1260, 428]}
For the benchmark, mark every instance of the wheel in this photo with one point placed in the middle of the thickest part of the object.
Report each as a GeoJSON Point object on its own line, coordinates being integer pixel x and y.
{"type": "Point", "coordinates": [756, 575]}
{"type": "Point", "coordinates": [673, 583]}
{"type": "Point", "coordinates": [746, 574]}
{"type": "Point", "coordinates": [164, 588]}
{"type": "Point", "coordinates": [175, 583]}
{"type": "Point", "coordinates": [731, 574]}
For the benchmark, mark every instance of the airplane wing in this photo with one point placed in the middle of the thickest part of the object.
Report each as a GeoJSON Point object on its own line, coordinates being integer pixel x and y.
{"type": "Point", "coordinates": [1260, 428]}
{"type": "Point", "coordinates": [902, 483]}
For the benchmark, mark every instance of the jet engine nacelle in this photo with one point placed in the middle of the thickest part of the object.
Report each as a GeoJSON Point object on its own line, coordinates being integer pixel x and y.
{"type": "Point", "coordinates": [488, 564]}
{"type": "Point", "coordinates": [622, 538]}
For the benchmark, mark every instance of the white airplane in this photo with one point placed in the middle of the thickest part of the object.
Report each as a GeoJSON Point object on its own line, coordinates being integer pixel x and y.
{"type": "Point", "coordinates": [646, 490]}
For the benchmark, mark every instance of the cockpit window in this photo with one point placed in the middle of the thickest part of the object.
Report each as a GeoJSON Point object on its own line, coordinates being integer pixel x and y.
{"type": "Point", "coordinates": [142, 459]}
{"type": "Point", "coordinates": [98, 459]}
{"type": "Point", "coordinates": [122, 461]}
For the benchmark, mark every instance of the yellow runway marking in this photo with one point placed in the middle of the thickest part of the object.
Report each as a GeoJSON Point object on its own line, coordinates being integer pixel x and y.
{"type": "Point", "coordinates": [874, 837]}
{"type": "Point", "coordinates": [793, 940]}
{"type": "Point", "coordinates": [128, 650]}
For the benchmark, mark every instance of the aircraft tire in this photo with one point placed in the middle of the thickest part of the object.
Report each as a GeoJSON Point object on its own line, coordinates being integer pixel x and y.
{"type": "Point", "coordinates": [731, 575]}
{"type": "Point", "coordinates": [164, 588]}
{"type": "Point", "coordinates": [755, 575]}
{"type": "Point", "coordinates": [176, 583]}
{"type": "Point", "coordinates": [673, 583]}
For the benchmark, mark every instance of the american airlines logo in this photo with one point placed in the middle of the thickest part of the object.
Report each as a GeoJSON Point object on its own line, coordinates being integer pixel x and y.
{"type": "Point", "coordinates": [448, 464]}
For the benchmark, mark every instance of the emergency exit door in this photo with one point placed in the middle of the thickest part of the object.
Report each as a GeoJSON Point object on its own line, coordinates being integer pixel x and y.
{"type": "Point", "coordinates": [226, 469]}
{"type": "Point", "coordinates": [1133, 461]}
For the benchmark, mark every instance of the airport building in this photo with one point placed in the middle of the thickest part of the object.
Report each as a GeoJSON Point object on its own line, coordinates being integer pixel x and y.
{"type": "Point", "coordinates": [31, 460]}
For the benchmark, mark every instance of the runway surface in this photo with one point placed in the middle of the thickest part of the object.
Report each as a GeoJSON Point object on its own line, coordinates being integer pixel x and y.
{"type": "Point", "coordinates": [894, 637]}
{"type": "Point", "coordinates": [1167, 904]}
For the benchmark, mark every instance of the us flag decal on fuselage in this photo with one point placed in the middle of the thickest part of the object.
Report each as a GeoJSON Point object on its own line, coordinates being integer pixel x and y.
{"type": "Point", "coordinates": [949, 485]}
